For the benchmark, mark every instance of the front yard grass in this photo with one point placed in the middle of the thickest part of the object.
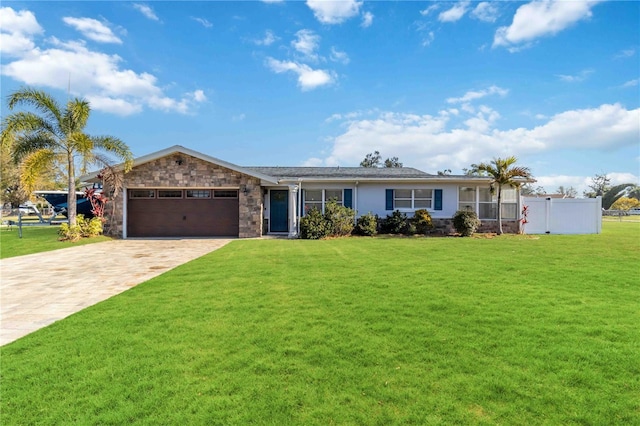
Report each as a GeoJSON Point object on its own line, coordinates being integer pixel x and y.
{"type": "Point", "coordinates": [36, 239]}
{"type": "Point", "coordinates": [517, 330]}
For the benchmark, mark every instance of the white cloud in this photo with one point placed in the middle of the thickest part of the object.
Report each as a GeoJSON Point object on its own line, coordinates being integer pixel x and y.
{"type": "Point", "coordinates": [307, 43]}
{"type": "Point", "coordinates": [202, 21]}
{"type": "Point", "coordinates": [17, 30]}
{"type": "Point", "coordinates": [146, 11]}
{"type": "Point", "coordinates": [334, 12]}
{"type": "Point", "coordinates": [631, 83]}
{"type": "Point", "coordinates": [338, 56]}
{"type": "Point", "coordinates": [428, 39]}
{"type": "Point", "coordinates": [96, 76]}
{"type": "Point", "coordinates": [239, 117]}
{"type": "Point", "coordinates": [444, 140]}
{"type": "Point", "coordinates": [268, 39]}
{"type": "Point", "coordinates": [308, 78]}
{"type": "Point", "coordinates": [199, 96]}
{"type": "Point", "coordinates": [429, 9]}
{"type": "Point", "coordinates": [542, 18]}
{"type": "Point", "coordinates": [455, 13]}
{"type": "Point", "coordinates": [92, 29]}
{"type": "Point", "coordinates": [117, 106]}
{"type": "Point", "coordinates": [625, 53]}
{"type": "Point", "coordinates": [478, 94]}
{"type": "Point", "coordinates": [581, 183]}
{"type": "Point", "coordinates": [367, 20]}
{"type": "Point", "coordinates": [486, 12]}
{"type": "Point", "coordinates": [581, 76]}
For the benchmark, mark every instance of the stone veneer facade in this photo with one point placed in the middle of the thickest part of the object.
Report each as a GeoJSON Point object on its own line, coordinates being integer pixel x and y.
{"type": "Point", "coordinates": [445, 226]}
{"type": "Point", "coordinates": [184, 171]}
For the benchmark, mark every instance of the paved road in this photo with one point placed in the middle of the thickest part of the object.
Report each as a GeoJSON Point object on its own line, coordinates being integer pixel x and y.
{"type": "Point", "coordinates": [39, 289]}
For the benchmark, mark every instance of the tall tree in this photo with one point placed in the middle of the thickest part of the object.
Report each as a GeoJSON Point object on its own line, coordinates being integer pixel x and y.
{"type": "Point", "coordinates": [392, 162]}
{"type": "Point", "coordinates": [373, 159]}
{"type": "Point", "coordinates": [49, 134]}
{"type": "Point", "coordinates": [502, 173]}
{"type": "Point", "coordinates": [600, 184]}
{"type": "Point", "coordinates": [568, 192]}
{"type": "Point", "coordinates": [528, 189]}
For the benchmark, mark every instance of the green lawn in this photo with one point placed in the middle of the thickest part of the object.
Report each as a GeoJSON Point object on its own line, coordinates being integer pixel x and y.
{"type": "Point", "coordinates": [509, 330]}
{"type": "Point", "coordinates": [35, 239]}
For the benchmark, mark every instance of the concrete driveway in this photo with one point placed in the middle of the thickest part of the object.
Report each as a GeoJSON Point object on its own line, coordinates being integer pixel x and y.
{"type": "Point", "coordinates": [39, 289]}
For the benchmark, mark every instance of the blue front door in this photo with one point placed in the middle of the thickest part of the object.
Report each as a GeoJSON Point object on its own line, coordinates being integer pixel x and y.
{"type": "Point", "coordinates": [279, 211]}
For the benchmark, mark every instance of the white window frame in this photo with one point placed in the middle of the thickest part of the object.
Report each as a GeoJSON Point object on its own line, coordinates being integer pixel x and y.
{"type": "Point", "coordinates": [477, 203]}
{"type": "Point", "coordinates": [413, 199]}
{"type": "Point", "coordinates": [323, 201]}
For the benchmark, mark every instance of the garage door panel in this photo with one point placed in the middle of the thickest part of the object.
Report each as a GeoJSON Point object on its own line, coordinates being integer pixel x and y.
{"type": "Point", "coordinates": [182, 217]}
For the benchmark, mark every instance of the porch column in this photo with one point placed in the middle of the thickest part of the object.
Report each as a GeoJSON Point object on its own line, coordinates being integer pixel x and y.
{"type": "Point", "coordinates": [293, 209]}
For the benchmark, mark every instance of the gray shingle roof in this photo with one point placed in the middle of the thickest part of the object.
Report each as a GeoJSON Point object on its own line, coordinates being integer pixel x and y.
{"type": "Point", "coordinates": [292, 173]}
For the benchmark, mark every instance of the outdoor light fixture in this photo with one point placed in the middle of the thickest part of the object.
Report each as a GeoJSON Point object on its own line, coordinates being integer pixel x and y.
{"type": "Point", "coordinates": [245, 191]}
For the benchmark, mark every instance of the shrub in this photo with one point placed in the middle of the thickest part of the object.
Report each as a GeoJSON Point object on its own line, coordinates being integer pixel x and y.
{"type": "Point", "coordinates": [395, 223]}
{"type": "Point", "coordinates": [422, 221]}
{"type": "Point", "coordinates": [84, 228]}
{"type": "Point", "coordinates": [339, 219]}
{"type": "Point", "coordinates": [69, 233]}
{"type": "Point", "coordinates": [367, 225]}
{"type": "Point", "coordinates": [313, 226]}
{"type": "Point", "coordinates": [466, 222]}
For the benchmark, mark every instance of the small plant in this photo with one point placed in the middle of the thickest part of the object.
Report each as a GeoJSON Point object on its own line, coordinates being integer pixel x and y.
{"type": "Point", "coordinates": [339, 219]}
{"type": "Point", "coordinates": [466, 222]}
{"type": "Point", "coordinates": [422, 221]}
{"type": "Point", "coordinates": [367, 225]}
{"type": "Point", "coordinates": [84, 228]}
{"type": "Point", "coordinates": [313, 226]}
{"type": "Point", "coordinates": [395, 223]}
{"type": "Point", "coordinates": [69, 233]}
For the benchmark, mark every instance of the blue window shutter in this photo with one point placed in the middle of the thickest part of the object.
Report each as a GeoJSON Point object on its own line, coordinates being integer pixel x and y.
{"type": "Point", "coordinates": [389, 199]}
{"type": "Point", "coordinates": [348, 198]}
{"type": "Point", "coordinates": [437, 202]}
{"type": "Point", "coordinates": [301, 206]}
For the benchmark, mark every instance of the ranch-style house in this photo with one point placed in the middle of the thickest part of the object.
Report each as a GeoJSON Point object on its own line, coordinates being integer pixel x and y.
{"type": "Point", "coordinates": [179, 192]}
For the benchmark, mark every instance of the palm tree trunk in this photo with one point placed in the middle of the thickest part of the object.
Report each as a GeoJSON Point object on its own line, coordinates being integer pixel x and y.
{"type": "Point", "coordinates": [499, 209]}
{"type": "Point", "coordinates": [71, 195]}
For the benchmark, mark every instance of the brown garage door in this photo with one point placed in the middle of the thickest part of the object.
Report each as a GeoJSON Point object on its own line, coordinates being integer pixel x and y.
{"type": "Point", "coordinates": [182, 213]}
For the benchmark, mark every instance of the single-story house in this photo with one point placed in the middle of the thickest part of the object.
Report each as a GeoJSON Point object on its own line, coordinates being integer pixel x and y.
{"type": "Point", "coordinates": [179, 192]}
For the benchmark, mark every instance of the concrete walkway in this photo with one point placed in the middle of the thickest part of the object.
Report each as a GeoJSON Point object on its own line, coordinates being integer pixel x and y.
{"type": "Point", "coordinates": [39, 289]}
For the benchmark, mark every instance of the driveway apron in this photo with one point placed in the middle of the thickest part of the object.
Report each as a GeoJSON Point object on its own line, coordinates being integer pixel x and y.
{"type": "Point", "coordinates": [39, 289]}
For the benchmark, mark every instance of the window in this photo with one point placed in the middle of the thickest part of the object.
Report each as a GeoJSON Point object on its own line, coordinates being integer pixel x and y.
{"type": "Point", "coordinates": [486, 205]}
{"type": "Point", "coordinates": [318, 198]}
{"type": "Point", "coordinates": [142, 193]}
{"type": "Point", "coordinates": [225, 193]}
{"type": "Point", "coordinates": [169, 193]}
{"type": "Point", "coordinates": [412, 198]}
{"type": "Point", "coordinates": [198, 193]}
{"type": "Point", "coordinates": [313, 200]}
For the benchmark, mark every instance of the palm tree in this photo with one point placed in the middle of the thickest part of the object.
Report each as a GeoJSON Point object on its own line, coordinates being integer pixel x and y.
{"type": "Point", "coordinates": [50, 135]}
{"type": "Point", "coordinates": [502, 173]}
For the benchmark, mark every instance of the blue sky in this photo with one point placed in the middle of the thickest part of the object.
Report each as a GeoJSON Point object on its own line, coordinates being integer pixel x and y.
{"type": "Point", "coordinates": [438, 84]}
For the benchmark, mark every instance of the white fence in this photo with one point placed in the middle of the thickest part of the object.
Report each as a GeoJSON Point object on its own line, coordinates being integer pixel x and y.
{"type": "Point", "coordinates": [563, 215]}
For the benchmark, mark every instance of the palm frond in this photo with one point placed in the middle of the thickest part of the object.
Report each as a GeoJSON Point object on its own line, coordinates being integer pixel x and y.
{"type": "Point", "coordinates": [31, 143]}
{"type": "Point", "coordinates": [35, 165]}
{"type": "Point", "coordinates": [19, 123]}
{"type": "Point", "coordinates": [77, 115]}
{"type": "Point", "coordinates": [115, 147]}
{"type": "Point", "coordinates": [38, 99]}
